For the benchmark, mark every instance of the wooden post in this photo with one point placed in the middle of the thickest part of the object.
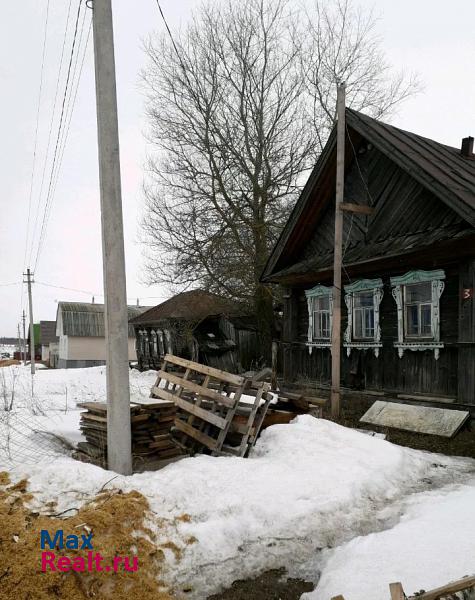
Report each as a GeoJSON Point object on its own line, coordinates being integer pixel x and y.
{"type": "Point", "coordinates": [336, 320]}
{"type": "Point", "coordinates": [396, 591]}
{"type": "Point", "coordinates": [275, 350]}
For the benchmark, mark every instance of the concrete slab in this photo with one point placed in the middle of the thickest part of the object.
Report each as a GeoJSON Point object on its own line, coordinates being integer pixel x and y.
{"type": "Point", "coordinates": [444, 422]}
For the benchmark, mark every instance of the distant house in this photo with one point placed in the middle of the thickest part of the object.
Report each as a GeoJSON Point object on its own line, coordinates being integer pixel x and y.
{"type": "Point", "coordinates": [81, 332]}
{"type": "Point", "coordinates": [200, 326]}
{"type": "Point", "coordinates": [36, 341]}
{"type": "Point", "coordinates": [49, 342]}
{"type": "Point", "coordinates": [408, 307]}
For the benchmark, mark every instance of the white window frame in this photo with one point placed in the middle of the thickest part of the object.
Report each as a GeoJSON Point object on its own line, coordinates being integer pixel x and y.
{"type": "Point", "coordinates": [374, 286]}
{"type": "Point", "coordinates": [317, 292]}
{"type": "Point", "coordinates": [418, 343]}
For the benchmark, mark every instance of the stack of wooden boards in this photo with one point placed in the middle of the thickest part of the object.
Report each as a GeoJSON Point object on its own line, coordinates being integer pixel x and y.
{"type": "Point", "coordinates": [152, 443]}
{"type": "Point", "coordinates": [217, 411]}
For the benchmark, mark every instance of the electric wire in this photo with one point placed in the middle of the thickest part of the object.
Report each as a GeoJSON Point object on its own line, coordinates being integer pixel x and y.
{"type": "Point", "coordinates": [53, 113]}
{"type": "Point", "coordinates": [35, 146]}
{"type": "Point", "coordinates": [55, 155]}
{"type": "Point", "coordinates": [64, 142]}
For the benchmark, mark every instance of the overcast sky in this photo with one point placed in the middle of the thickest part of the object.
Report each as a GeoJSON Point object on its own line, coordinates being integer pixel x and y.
{"type": "Point", "coordinates": [432, 37]}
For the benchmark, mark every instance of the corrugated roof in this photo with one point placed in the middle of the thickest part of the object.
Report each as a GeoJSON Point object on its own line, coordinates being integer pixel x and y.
{"type": "Point", "coordinates": [194, 305]}
{"type": "Point", "coordinates": [48, 332]}
{"type": "Point", "coordinates": [84, 319]}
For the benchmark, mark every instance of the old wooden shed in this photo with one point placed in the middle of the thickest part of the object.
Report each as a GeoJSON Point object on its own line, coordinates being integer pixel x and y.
{"type": "Point", "coordinates": [408, 315]}
{"type": "Point", "coordinates": [198, 325]}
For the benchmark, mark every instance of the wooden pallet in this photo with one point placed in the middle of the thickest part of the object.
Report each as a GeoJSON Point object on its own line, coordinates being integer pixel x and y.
{"type": "Point", "coordinates": [207, 401]}
{"type": "Point", "coordinates": [396, 591]}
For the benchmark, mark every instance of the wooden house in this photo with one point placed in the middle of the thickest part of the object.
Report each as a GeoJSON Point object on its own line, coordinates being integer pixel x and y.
{"type": "Point", "coordinates": [198, 325]}
{"type": "Point", "coordinates": [408, 313]}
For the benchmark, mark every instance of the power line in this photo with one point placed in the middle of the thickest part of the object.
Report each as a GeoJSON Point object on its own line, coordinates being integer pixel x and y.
{"type": "Point", "coordinates": [174, 45]}
{"type": "Point", "coordinates": [64, 138]}
{"type": "Point", "coordinates": [36, 130]}
{"type": "Point", "coordinates": [48, 196]}
{"type": "Point", "coordinates": [51, 124]}
{"type": "Point", "coordinates": [8, 284]}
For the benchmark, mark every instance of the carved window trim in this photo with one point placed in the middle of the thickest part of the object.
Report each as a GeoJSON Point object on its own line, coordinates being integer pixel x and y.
{"type": "Point", "coordinates": [363, 285]}
{"type": "Point", "coordinates": [317, 292]}
{"type": "Point", "coordinates": [436, 278]}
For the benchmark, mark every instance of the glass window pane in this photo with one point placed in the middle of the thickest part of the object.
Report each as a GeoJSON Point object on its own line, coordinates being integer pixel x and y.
{"type": "Point", "coordinates": [369, 323]}
{"type": "Point", "coordinates": [358, 328]}
{"type": "Point", "coordinates": [323, 303]}
{"type": "Point", "coordinates": [419, 292]}
{"type": "Point", "coordinates": [325, 324]}
{"type": "Point", "coordinates": [412, 319]}
{"type": "Point", "coordinates": [426, 312]}
{"type": "Point", "coordinates": [363, 299]}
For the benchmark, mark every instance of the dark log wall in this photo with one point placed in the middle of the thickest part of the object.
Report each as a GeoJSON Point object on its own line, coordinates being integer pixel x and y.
{"type": "Point", "coordinates": [466, 359]}
{"type": "Point", "coordinates": [406, 215]}
{"type": "Point", "coordinates": [416, 371]}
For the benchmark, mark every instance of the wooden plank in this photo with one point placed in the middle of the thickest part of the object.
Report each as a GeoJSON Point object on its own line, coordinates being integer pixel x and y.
{"type": "Point", "coordinates": [201, 413]}
{"type": "Point", "coordinates": [204, 439]}
{"type": "Point", "coordinates": [426, 398]}
{"type": "Point", "coordinates": [212, 372]}
{"type": "Point", "coordinates": [396, 591]}
{"type": "Point", "coordinates": [356, 208]}
{"type": "Point", "coordinates": [197, 389]}
{"type": "Point", "coordinates": [155, 403]}
{"type": "Point", "coordinates": [450, 588]}
{"type": "Point", "coordinates": [422, 419]}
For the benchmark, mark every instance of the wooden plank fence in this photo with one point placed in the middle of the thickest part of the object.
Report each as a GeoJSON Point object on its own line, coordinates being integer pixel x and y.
{"type": "Point", "coordinates": [396, 591]}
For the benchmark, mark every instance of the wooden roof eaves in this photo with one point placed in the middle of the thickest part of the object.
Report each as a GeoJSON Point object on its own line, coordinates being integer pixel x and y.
{"type": "Point", "coordinates": [299, 208]}
{"type": "Point", "coordinates": [405, 162]}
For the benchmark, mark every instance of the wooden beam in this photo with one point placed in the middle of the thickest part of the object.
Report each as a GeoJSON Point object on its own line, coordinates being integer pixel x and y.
{"type": "Point", "coordinates": [204, 439]}
{"type": "Point", "coordinates": [451, 588]}
{"type": "Point", "coordinates": [396, 591]}
{"type": "Point", "coordinates": [196, 389]}
{"type": "Point", "coordinates": [194, 366]}
{"type": "Point", "coordinates": [201, 413]}
{"type": "Point", "coordinates": [357, 208]}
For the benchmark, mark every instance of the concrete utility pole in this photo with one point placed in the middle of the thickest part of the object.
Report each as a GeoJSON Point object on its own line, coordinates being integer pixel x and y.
{"type": "Point", "coordinates": [340, 180]}
{"type": "Point", "coordinates": [29, 281]}
{"type": "Point", "coordinates": [24, 337]}
{"type": "Point", "coordinates": [19, 340]}
{"type": "Point", "coordinates": [119, 452]}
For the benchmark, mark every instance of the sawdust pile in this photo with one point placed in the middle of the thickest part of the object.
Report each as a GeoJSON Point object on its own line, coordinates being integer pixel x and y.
{"type": "Point", "coordinates": [117, 521]}
{"type": "Point", "coordinates": [9, 362]}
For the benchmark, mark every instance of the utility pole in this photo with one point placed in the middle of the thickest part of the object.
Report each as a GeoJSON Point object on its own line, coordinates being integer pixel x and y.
{"type": "Point", "coordinates": [24, 338]}
{"type": "Point", "coordinates": [19, 340]}
{"type": "Point", "coordinates": [336, 321]}
{"type": "Point", "coordinates": [119, 452]}
{"type": "Point", "coordinates": [29, 281]}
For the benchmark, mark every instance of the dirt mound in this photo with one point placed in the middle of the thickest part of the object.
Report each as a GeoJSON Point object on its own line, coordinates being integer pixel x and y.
{"type": "Point", "coordinates": [117, 522]}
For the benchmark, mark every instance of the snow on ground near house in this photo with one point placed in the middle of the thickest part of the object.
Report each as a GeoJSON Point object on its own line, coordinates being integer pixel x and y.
{"type": "Point", "coordinates": [433, 543]}
{"type": "Point", "coordinates": [308, 486]}
{"type": "Point", "coordinates": [49, 406]}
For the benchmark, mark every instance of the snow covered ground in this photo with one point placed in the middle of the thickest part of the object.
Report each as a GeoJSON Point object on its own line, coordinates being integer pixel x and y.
{"type": "Point", "coordinates": [315, 497]}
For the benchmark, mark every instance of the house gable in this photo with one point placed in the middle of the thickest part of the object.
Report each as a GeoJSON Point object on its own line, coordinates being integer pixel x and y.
{"type": "Point", "coordinates": [422, 193]}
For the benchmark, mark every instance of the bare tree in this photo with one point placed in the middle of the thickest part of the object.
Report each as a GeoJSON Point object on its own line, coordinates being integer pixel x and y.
{"type": "Point", "coordinates": [239, 108]}
{"type": "Point", "coordinates": [341, 45]}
